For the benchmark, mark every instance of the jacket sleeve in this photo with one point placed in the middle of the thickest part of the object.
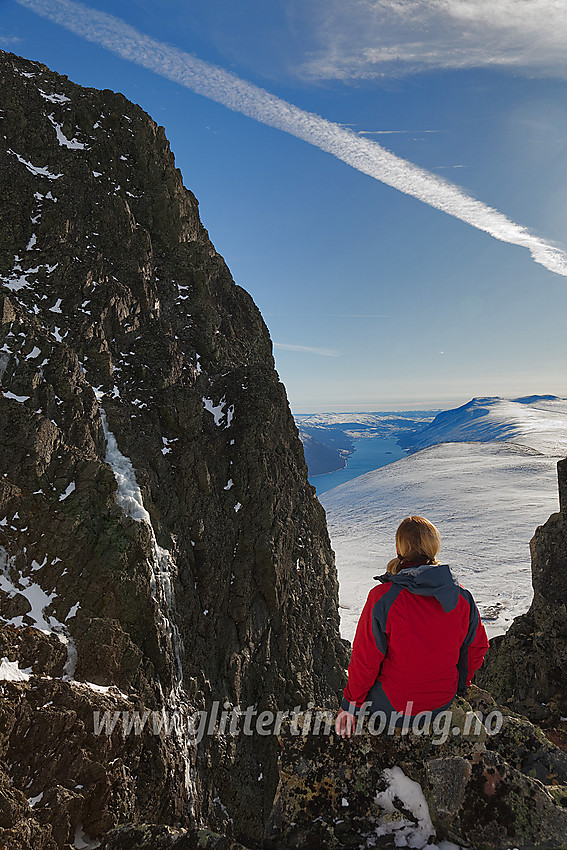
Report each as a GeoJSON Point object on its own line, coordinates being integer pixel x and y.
{"type": "Point", "coordinates": [474, 646]}
{"type": "Point", "coordinates": [477, 651]}
{"type": "Point", "coordinates": [366, 658]}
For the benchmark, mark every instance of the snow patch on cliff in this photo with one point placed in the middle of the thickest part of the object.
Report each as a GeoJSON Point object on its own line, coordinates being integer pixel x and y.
{"type": "Point", "coordinates": [10, 671]}
{"type": "Point", "coordinates": [14, 583]}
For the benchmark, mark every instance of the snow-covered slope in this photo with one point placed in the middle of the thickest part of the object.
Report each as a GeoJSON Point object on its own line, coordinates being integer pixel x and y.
{"type": "Point", "coordinates": [536, 421]}
{"type": "Point", "coordinates": [485, 498]}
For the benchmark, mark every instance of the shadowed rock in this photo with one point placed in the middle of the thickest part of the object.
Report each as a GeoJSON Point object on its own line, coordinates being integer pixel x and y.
{"type": "Point", "coordinates": [188, 562]}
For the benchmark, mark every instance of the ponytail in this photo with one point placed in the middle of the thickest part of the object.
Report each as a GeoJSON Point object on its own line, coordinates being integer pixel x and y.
{"type": "Point", "coordinates": [395, 565]}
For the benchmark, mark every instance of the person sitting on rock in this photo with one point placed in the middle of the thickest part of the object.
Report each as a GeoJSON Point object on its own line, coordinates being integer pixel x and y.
{"type": "Point", "coordinates": [419, 639]}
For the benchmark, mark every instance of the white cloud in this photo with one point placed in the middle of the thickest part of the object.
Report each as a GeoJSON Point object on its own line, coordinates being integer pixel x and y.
{"type": "Point", "coordinates": [360, 152]}
{"type": "Point", "coordinates": [368, 38]}
{"type": "Point", "coordinates": [9, 40]}
{"type": "Point", "coordinates": [326, 352]}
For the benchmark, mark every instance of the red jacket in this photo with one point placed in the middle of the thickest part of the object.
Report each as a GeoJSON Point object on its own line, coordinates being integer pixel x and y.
{"type": "Point", "coordinates": [420, 635]}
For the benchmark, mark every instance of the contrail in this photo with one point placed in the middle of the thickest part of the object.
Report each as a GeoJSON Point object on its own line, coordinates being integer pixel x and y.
{"type": "Point", "coordinates": [326, 352]}
{"type": "Point", "coordinates": [362, 153]}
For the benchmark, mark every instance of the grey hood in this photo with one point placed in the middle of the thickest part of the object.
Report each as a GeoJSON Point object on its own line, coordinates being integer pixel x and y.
{"type": "Point", "coordinates": [428, 580]}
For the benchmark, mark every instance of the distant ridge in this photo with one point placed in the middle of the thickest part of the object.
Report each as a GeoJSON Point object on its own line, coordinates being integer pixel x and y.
{"type": "Point", "coordinates": [537, 421]}
{"type": "Point", "coordinates": [528, 399]}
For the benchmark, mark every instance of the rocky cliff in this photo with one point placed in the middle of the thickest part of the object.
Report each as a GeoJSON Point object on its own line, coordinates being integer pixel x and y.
{"type": "Point", "coordinates": [161, 549]}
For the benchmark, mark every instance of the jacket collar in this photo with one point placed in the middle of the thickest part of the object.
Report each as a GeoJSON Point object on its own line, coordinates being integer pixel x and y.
{"type": "Point", "coordinates": [427, 580]}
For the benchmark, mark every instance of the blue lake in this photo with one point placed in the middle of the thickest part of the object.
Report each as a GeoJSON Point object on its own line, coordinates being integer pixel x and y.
{"type": "Point", "coordinates": [369, 453]}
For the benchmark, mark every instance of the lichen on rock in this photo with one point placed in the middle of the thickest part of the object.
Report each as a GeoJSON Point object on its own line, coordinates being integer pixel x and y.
{"type": "Point", "coordinates": [463, 788]}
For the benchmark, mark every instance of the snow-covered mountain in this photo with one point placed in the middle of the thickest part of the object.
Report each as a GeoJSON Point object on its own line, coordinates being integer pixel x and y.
{"type": "Point", "coordinates": [539, 422]}
{"type": "Point", "coordinates": [486, 491]}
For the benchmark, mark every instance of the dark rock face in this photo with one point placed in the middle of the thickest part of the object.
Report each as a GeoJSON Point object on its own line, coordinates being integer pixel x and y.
{"type": "Point", "coordinates": [155, 517]}
{"type": "Point", "coordinates": [59, 778]}
{"type": "Point", "coordinates": [527, 667]}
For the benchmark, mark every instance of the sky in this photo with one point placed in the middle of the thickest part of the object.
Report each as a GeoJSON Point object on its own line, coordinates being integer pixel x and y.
{"type": "Point", "coordinates": [387, 178]}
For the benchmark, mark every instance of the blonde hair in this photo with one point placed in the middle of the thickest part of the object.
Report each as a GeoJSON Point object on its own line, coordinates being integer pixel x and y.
{"type": "Point", "coordinates": [417, 540]}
